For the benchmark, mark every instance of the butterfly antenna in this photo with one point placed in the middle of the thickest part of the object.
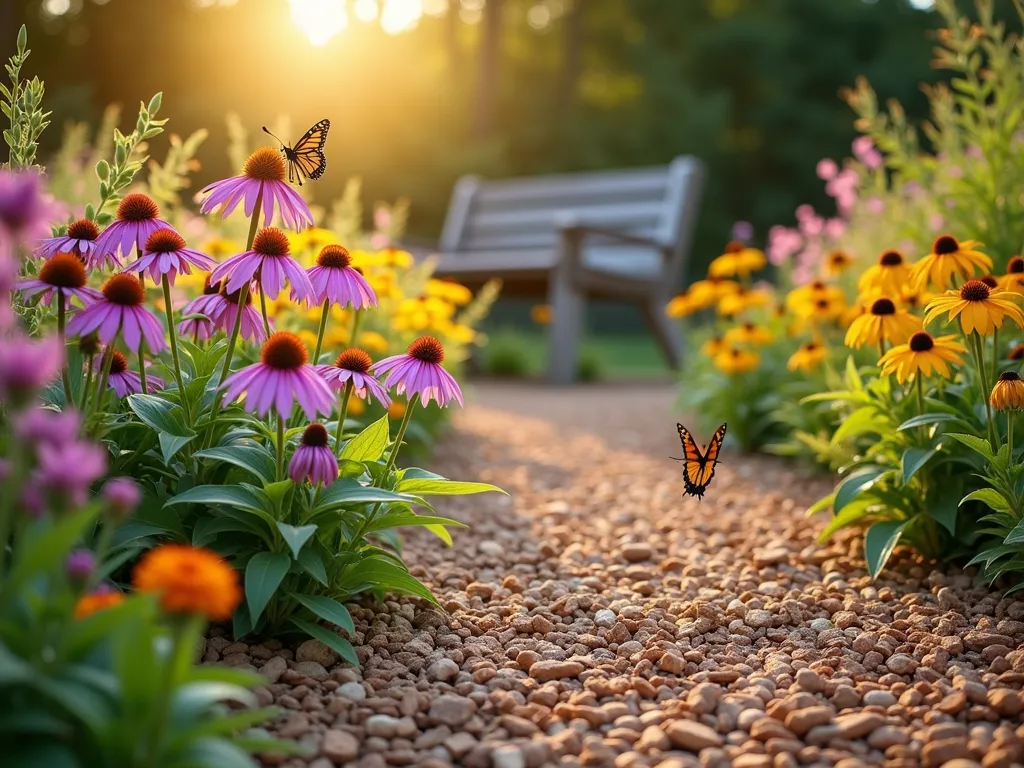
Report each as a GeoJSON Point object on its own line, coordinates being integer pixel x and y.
{"type": "Point", "coordinates": [267, 131]}
{"type": "Point", "coordinates": [675, 459]}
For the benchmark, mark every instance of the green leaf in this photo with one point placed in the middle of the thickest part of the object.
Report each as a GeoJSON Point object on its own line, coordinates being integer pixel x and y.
{"type": "Point", "coordinates": [328, 609]}
{"type": "Point", "coordinates": [171, 444]}
{"type": "Point", "coordinates": [990, 497]}
{"type": "Point", "coordinates": [879, 542]}
{"type": "Point", "coordinates": [159, 414]}
{"type": "Point", "coordinates": [862, 421]}
{"type": "Point", "coordinates": [43, 548]}
{"type": "Point", "coordinates": [1016, 536]}
{"type": "Point", "coordinates": [976, 444]}
{"type": "Point", "coordinates": [276, 491]}
{"type": "Point", "coordinates": [852, 485]}
{"type": "Point", "coordinates": [914, 459]}
{"type": "Point", "coordinates": [387, 575]}
{"type": "Point", "coordinates": [370, 444]}
{"type": "Point", "coordinates": [313, 564]}
{"type": "Point", "coordinates": [231, 495]}
{"type": "Point", "coordinates": [442, 487]}
{"type": "Point", "coordinates": [255, 460]}
{"type": "Point", "coordinates": [263, 575]}
{"type": "Point", "coordinates": [338, 644]}
{"type": "Point", "coordinates": [944, 512]}
{"type": "Point", "coordinates": [926, 419]}
{"type": "Point", "coordinates": [349, 491]}
{"type": "Point", "coordinates": [401, 519]}
{"type": "Point", "coordinates": [295, 536]}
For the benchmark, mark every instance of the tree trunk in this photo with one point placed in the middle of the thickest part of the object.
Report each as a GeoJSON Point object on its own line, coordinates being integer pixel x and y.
{"type": "Point", "coordinates": [490, 59]}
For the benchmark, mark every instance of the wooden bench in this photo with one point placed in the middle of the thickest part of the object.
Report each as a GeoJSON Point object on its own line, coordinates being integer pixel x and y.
{"type": "Point", "coordinates": [621, 235]}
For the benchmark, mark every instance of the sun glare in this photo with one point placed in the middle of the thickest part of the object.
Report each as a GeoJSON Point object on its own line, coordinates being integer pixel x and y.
{"type": "Point", "coordinates": [320, 20]}
{"type": "Point", "coordinates": [400, 15]}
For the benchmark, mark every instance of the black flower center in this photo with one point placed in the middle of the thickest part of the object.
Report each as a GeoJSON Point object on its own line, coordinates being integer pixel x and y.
{"type": "Point", "coordinates": [974, 290]}
{"type": "Point", "coordinates": [271, 242]}
{"type": "Point", "coordinates": [883, 307]}
{"type": "Point", "coordinates": [211, 289]}
{"type": "Point", "coordinates": [164, 240]}
{"type": "Point", "coordinates": [990, 281]}
{"type": "Point", "coordinates": [734, 246]}
{"type": "Point", "coordinates": [137, 207]}
{"type": "Point", "coordinates": [890, 259]}
{"type": "Point", "coordinates": [118, 363]}
{"type": "Point", "coordinates": [921, 342]}
{"type": "Point", "coordinates": [1009, 376]}
{"type": "Point", "coordinates": [945, 245]}
{"type": "Point", "coordinates": [125, 290]}
{"type": "Point", "coordinates": [284, 351]}
{"type": "Point", "coordinates": [83, 229]}
{"type": "Point", "coordinates": [1016, 264]}
{"type": "Point", "coordinates": [355, 360]}
{"type": "Point", "coordinates": [315, 436]}
{"type": "Point", "coordinates": [64, 270]}
{"type": "Point", "coordinates": [427, 349]}
{"type": "Point", "coordinates": [334, 256]}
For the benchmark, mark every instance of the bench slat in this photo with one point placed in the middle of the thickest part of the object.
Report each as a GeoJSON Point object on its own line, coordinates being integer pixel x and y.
{"type": "Point", "coordinates": [565, 187]}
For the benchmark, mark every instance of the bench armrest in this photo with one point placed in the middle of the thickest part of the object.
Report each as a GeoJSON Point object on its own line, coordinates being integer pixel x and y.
{"type": "Point", "coordinates": [570, 226]}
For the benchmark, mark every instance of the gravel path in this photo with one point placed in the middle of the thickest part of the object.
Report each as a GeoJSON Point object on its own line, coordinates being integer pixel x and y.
{"type": "Point", "coordinates": [597, 618]}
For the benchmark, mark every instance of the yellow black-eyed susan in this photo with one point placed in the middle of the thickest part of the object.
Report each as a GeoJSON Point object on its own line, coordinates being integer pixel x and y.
{"type": "Point", "coordinates": [1008, 392]}
{"type": "Point", "coordinates": [707, 293]}
{"type": "Point", "coordinates": [807, 358]}
{"type": "Point", "coordinates": [883, 321]}
{"type": "Point", "coordinates": [1013, 280]}
{"type": "Point", "coordinates": [733, 360]}
{"type": "Point", "coordinates": [742, 299]}
{"type": "Point", "coordinates": [837, 262]}
{"type": "Point", "coordinates": [889, 275]}
{"type": "Point", "coordinates": [813, 292]}
{"type": "Point", "coordinates": [949, 257]}
{"type": "Point", "coordinates": [681, 305]}
{"type": "Point", "coordinates": [923, 354]}
{"type": "Point", "coordinates": [749, 333]}
{"type": "Point", "coordinates": [714, 346]}
{"type": "Point", "coordinates": [979, 307]}
{"type": "Point", "coordinates": [738, 260]}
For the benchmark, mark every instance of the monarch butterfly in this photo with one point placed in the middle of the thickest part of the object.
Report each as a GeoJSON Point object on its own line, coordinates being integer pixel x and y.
{"type": "Point", "coordinates": [698, 467]}
{"type": "Point", "coordinates": [306, 158]}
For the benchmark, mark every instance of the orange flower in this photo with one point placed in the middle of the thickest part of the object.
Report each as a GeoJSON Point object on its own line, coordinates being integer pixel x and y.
{"type": "Point", "coordinates": [99, 600]}
{"type": "Point", "coordinates": [189, 580]}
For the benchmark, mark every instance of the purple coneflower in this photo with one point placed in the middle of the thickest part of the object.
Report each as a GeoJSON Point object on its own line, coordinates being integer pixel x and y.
{"type": "Point", "coordinates": [25, 210]}
{"type": "Point", "coordinates": [138, 217]}
{"type": "Point", "coordinates": [263, 178]}
{"type": "Point", "coordinates": [354, 365]}
{"type": "Point", "coordinates": [269, 263]}
{"type": "Point", "coordinates": [65, 274]}
{"type": "Point", "coordinates": [120, 310]}
{"type": "Point", "coordinates": [65, 472]}
{"type": "Point", "coordinates": [334, 279]}
{"type": "Point", "coordinates": [80, 565]}
{"type": "Point", "coordinates": [42, 425]}
{"type": "Point", "coordinates": [419, 372]}
{"type": "Point", "coordinates": [313, 460]}
{"type": "Point", "coordinates": [26, 366]}
{"type": "Point", "coordinates": [165, 254]}
{"type": "Point", "coordinates": [210, 304]}
{"type": "Point", "coordinates": [122, 494]}
{"type": "Point", "coordinates": [282, 376]}
{"type": "Point", "coordinates": [80, 240]}
{"type": "Point", "coordinates": [124, 381]}
{"type": "Point", "coordinates": [252, 326]}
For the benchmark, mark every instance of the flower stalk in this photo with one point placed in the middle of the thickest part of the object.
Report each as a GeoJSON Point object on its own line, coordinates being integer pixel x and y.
{"type": "Point", "coordinates": [65, 375]}
{"type": "Point", "coordinates": [346, 394]}
{"type": "Point", "coordinates": [173, 335]}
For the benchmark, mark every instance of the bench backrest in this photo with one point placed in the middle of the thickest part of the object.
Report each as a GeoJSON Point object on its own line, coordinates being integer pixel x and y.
{"type": "Point", "coordinates": [525, 213]}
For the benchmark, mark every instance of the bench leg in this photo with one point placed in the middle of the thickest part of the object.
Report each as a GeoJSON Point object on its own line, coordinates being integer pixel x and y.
{"type": "Point", "coordinates": [568, 306]}
{"type": "Point", "coordinates": [665, 331]}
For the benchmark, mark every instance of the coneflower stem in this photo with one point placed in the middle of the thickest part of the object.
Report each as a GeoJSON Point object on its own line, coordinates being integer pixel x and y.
{"type": "Point", "coordinates": [280, 446]}
{"type": "Point", "coordinates": [243, 294]}
{"type": "Point", "coordinates": [89, 364]}
{"type": "Point", "coordinates": [399, 437]}
{"type": "Point", "coordinates": [881, 349]}
{"type": "Point", "coordinates": [979, 356]}
{"type": "Point", "coordinates": [142, 371]}
{"type": "Point", "coordinates": [341, 416]}
{"type": "Point", "coordinates": [65, 376]}
{"type": "Point", "coordinates": [263, 311]}
{"type": "Point", "coordinates": [919, 385]}
{"type": "Point", "coordinates": [325, 311]}
{"type": "Point", "coordinates": [356, 318]}
{"type": "Point", "coordinates": [103, 378]}
{"type": "Point", "coordinates": [173, 335]}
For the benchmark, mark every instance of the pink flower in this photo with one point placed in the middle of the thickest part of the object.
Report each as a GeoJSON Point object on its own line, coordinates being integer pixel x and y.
{"type": "Point", "coordinates": [834, 228]}
{"type": "Point", "coordinates": [282, 376]}
{"type": "Point", "coordinates": [804, 212]}
{"type": "Point", "coordinates": [66, 472]}
{"type": "Point", "coordinates": [874, 205]}
{"type": "Point", "coordinates": [419, 372]}
{"type": "Point", "coordinates": [124, 381]}
{"type": "Point", "coordinates": [937, 222]}
{"type": "Point", "coordinates": [80, 240]}
{"type": "Point", "coordinates": [120, 310]}
{"type": "Point", "coordinates": [25, 210]}
{"type": "Point", "coordinates": [354, 365]}
{"type": "Point", "coordinates": [122, 494]}
{"type": "Point", "coordinates": [165, 254]}
{"type": "Point", "coordinates": [262, 179]}
{"type": "Point", "coordinates": [63, 274]}
{"type": "Point", "coordinates": [210, 304]}
{"type": "Point", "coordinates": [138, 217]}
{"type": "Point", "coordinates": [827, 169]}
{"type": "Point", "coordinates": [334, 279]}
{"type": "Point", "coordinates": [270, 264]}
{"type": "Point", "coordinates": [812, 226]}
{"type": "Point", "coordinates": [42, 425]}
{"type": "Point", "coordinates": [783, 242]}
{"type": "Point", "coordinates": [26, 366]}
{"type": "Point", "coordinates": [743, 231]}
{"type": "Point", "coordinates": [313, 460]}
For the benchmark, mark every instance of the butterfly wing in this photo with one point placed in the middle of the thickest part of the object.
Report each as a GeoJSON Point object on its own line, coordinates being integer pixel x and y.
{"type": "Point", "coordinates": [307, 157]}
{"type": "Point", "coordinates": [699, 467]}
